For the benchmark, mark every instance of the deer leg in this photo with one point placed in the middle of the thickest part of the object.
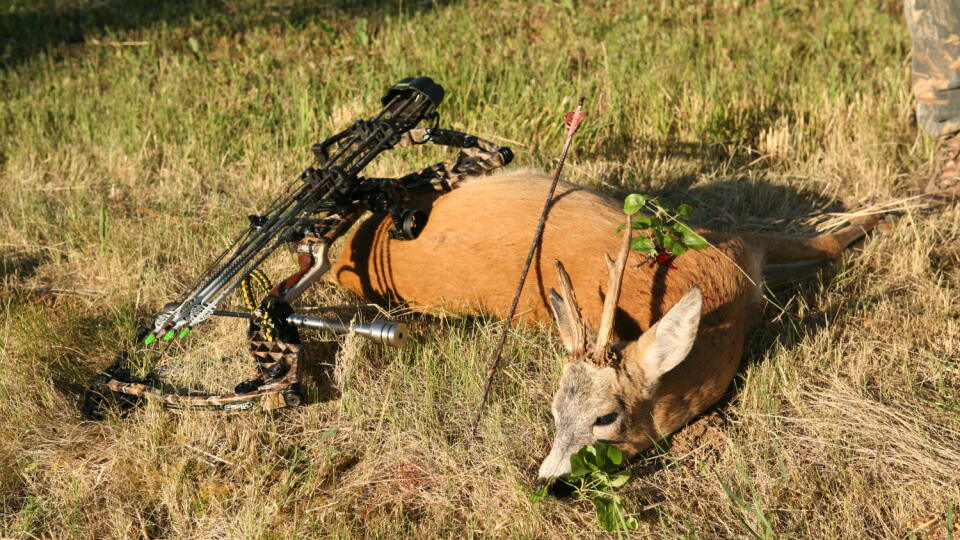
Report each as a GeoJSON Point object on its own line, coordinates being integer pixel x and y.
{"type": "Point", "coordinates": [786, 249]}
{"type": "Point", "coordinates": [796, 259]}
{"type": "Point", "coordinates": [778, 275]}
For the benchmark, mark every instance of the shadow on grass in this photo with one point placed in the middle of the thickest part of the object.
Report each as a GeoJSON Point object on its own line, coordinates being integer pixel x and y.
{"type": "Point", "coordinates": [317, 381]}
{"type": "Point", "coordinates": [20, 265]}
{"type": "Point", "coordinates": [746, 200]}
{"type": "Point", "coordinates": [47, 25]}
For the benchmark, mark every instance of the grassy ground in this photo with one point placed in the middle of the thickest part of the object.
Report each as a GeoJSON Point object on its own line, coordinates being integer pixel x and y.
{"type": "Point", "coordinates": [135, 138]}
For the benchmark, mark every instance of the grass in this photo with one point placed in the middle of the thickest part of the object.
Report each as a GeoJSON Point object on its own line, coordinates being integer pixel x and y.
{"type": "Point", "coordinates": [136, 136]}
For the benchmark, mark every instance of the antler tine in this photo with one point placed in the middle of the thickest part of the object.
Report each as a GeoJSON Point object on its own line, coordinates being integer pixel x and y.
{"type": "Point", "coordinates": [578, 328]}
{"type": "Point", "coordinates": [615, 270]}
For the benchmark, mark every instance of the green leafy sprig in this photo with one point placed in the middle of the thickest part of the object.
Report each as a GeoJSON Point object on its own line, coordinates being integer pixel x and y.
{"type": "Point", "coordinates": [671, 236]}
{"type": "Point", "coordinates": [594, 471]}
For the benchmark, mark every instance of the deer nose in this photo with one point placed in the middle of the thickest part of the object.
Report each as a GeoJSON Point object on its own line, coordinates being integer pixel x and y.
{"type": "Point", "coordinates": [557, 487]}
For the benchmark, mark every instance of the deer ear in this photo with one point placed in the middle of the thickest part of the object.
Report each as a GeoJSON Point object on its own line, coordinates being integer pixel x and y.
{"type": "Point", "coordinates": [673, 336]}
{"type": "Point", "coordinates": [562, 320]}
{"type": "Point", "coordinates": [566, 312]}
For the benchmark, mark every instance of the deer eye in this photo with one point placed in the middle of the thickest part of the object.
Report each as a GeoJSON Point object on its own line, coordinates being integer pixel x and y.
{"type": "Point", "coordinates": [606, 419]}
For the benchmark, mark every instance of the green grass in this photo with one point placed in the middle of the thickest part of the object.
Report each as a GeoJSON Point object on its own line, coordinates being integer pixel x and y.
{"type": "Point", "coordinates": [135, 138]}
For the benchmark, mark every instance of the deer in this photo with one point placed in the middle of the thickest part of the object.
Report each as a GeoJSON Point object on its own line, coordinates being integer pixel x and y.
{"type": "Point", "coordinates": [649, 346]}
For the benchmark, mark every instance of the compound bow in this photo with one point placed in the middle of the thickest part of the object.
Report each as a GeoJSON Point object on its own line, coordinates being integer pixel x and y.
{"type": "Point", "coordinates": [330, 198]}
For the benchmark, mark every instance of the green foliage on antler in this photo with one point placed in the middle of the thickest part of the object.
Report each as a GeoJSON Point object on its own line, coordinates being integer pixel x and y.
{"type": "Point", "coordinates": [671, 237]}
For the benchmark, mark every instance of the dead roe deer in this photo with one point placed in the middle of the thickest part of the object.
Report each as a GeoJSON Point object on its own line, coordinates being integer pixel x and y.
{"type": "Point", "coordinates": [682, 329]}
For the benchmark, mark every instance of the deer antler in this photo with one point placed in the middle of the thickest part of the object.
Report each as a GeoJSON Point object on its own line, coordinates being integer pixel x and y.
{"type": "Point", "coordinates": [615, 271]}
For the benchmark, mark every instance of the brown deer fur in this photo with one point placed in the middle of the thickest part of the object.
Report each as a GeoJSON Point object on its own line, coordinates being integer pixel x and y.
{"type": "Point", "coordinates": [469, 256]}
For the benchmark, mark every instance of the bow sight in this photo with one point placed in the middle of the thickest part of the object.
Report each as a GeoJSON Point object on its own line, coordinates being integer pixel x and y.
{"type": "Point", "coordinates": [322, 205]}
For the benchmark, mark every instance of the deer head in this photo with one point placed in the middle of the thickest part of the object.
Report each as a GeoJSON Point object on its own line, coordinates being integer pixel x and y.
{"type": "Point", "coordinates": [607, 392]}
